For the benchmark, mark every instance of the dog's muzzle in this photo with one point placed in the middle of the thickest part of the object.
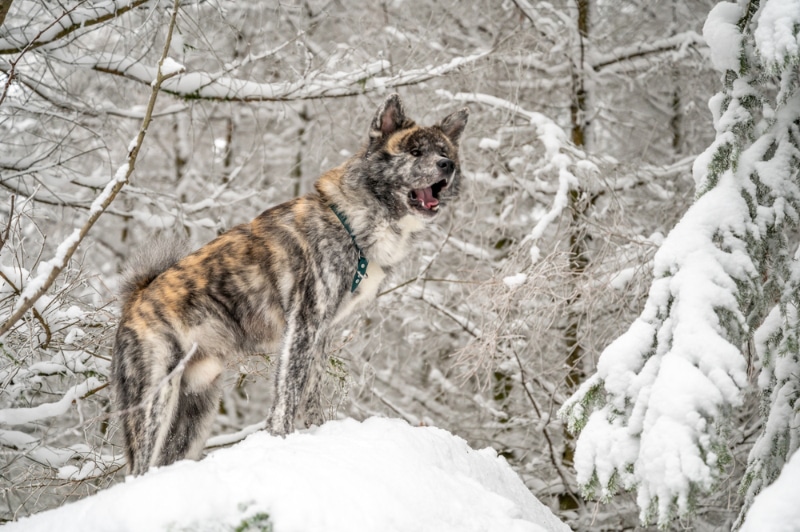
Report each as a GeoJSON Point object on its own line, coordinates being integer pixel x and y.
{"type": "Point", "coordinates": [426, 199]}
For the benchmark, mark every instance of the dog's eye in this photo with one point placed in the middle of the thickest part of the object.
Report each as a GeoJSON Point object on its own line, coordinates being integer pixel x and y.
{"type": "Point", "coordinates": [416, 152]}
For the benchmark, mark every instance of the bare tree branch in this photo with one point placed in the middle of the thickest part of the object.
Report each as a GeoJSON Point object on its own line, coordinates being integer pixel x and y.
{"type": "Point", "coordinates": [18, 40]}
{"type": "Point", "coordinates": [640, 50]}
{"type": "Point", "coordinates": [314, 85]}
{"type": "Point", "coordinates": [37, 287]}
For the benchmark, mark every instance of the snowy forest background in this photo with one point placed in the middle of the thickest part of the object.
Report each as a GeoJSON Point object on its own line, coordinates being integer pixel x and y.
{"type": "Point", "coordinates": [590, 136]}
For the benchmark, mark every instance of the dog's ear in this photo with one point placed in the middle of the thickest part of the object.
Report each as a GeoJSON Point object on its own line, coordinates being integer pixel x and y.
{"type": "Point", "coordinates": [390, 118]}
{"type": "Point", "coordinates": [453, 125]}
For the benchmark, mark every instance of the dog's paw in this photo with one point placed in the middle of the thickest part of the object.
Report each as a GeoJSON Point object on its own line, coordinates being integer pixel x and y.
{"type": "Point", "coordinates": [279, 426]}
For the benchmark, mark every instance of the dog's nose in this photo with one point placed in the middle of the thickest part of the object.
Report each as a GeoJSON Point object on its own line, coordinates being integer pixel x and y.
{"type": "Point", "coordinates": [446, 166]}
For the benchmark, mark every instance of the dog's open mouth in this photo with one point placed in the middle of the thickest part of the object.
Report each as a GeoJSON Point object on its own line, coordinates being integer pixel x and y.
{"type": "Point", "coordinates": [427, 199]}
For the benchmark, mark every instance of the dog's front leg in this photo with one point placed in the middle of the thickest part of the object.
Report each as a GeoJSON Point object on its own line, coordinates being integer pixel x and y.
{"type": "Point", "coordinates": [311, 411]}
{"type": "Point", "coordinates": [298, 351]}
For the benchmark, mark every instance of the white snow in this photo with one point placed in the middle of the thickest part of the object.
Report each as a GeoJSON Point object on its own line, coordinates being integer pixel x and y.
{"type": "Point", "coordinates": [775, 39]}
{"type": "Point", "coordinates": [622, 279]}
{"type": "Point", "coordinates": [514, 281]}
{"type": "Point", "coordinates": [536, 254]}
{"type": "Point", "coordinates": [170, 67]}
{"type": "Point", "coordinates": [489, 144]}
{"type": "Point", "coordinates": [344, 476]}
{"type": "Point", "coordinates": [74, 334]}
{"type": "Point", "coordinates": [776, 509]}
{"type": "Point", "coordinates": [18, 416]}
{"type": "Point", "coordinates": [723, 37]}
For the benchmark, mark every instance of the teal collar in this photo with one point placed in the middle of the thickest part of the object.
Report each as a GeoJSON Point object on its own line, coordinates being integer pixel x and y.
{"type": "Point", "coordinates": [361, 268]}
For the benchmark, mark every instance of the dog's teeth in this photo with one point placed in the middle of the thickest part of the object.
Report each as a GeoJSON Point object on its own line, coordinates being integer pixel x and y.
{"type": "Point", "coordinates": [435, 208]}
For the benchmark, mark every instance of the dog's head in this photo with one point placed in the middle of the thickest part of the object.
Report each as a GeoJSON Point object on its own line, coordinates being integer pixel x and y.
{"type": "Point", "coordinates": [413, 169]}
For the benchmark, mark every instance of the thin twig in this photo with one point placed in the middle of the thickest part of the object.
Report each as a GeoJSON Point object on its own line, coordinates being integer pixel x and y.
{"type": "Point", "coordinates": [468, 327]}
{"type": "Point", "coordinates": [11, 74]}
{"type": "Point", "coordinates": [422, 272]}
{"type": "Point", "coordinates": [551, 448]}
{"type": "Point", "coordinates": [7, 230]}
{"type": "Point", "coordinates": [36, 314]}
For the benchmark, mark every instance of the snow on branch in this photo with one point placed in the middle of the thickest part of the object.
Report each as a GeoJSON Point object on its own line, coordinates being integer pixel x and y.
{"type": "Point", "coordinates": [313, 85]}
{"type": "Point", "coordinates": [777, 38]}
{"type": "Point", "coordinates": [560, 157]}
{"type": "Point", "coordinates": [675, 370]}
{"type": "Point", "coordinates": [777, 340]}
{"type": "Point", "coordinates": [19, 416]}
{"type": "Point", "coordinates": [776, 343]}
{"type": "Point", "coordinates": [82, 16]}
{"type": "Point", "coordinates": [634, 57]}
{"type": "Point", "coordinates": [94, 464]}
{"type": "Point", "coordinates": [678, 43]}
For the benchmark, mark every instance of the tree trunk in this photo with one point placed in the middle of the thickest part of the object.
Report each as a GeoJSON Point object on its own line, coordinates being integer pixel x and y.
{"type": "Point", "coordinates": [297, 171]}
{"type": "Point", "coordinates": [676, 106]}
{"type": "Point", "coordinates": [5, 5]}
{"type": "Point", "coordinates": [578, 257]}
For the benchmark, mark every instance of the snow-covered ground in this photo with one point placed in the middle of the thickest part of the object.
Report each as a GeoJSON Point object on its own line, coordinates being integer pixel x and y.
{"type": "Point", "coordinates": [345, 476]}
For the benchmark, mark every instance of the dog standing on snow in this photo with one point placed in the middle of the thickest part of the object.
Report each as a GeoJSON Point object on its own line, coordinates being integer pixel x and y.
{"type": "Point", "coordinates": [275, 284]}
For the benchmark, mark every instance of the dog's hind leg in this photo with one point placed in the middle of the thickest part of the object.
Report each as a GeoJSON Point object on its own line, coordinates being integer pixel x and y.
{"type": "Point", "coordinates": [158, 411]}
{"type": "Point", "coordinates": [198, 402]}
{"type": "Point", "coordinates": [149, 393]}
{"type": "Point", "coordinates": [145, 396]}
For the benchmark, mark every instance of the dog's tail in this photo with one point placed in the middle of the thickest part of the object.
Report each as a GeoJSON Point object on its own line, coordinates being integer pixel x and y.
{"type": "Point", "coordinates": [149, 263]}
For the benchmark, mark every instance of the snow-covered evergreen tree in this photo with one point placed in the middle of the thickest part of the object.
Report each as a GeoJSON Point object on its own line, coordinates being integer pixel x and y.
{"type": "Point", "coordinates": [653, 417]}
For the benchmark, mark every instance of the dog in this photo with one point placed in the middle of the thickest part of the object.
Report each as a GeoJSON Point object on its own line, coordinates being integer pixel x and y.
{"type": "Point", "coordinates": [274, 285]}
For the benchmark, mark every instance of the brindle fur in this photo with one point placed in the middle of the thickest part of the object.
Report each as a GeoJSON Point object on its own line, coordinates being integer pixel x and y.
{"type": "Point", "coordinates": [275, 284]}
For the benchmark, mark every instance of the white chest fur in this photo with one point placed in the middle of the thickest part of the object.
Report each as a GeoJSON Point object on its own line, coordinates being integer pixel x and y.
{"type": "Point", "coordinates": [365, 293]}
{"type": "Point", "coordinates": [390, 246]}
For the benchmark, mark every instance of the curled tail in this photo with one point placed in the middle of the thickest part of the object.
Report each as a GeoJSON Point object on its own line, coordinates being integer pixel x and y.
{"type": "Point", "coordinates": [149, 263]}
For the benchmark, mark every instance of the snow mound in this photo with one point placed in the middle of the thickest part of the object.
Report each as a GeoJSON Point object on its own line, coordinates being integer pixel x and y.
{"type": "Point", "coordinates": [344, 476]}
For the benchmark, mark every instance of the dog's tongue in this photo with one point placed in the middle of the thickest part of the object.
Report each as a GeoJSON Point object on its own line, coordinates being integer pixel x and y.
{"type": "Point", "coordinates": [425, 197]}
